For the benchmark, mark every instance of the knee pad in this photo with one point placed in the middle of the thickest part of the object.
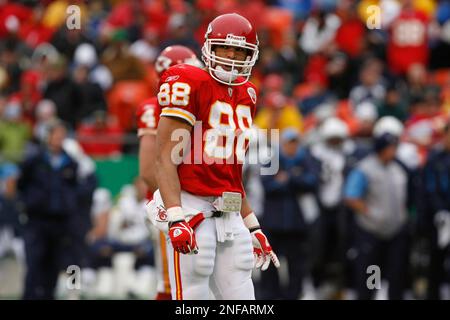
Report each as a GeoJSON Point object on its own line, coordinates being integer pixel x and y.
{"type": "Point", "coordinates": [243, 251]}
{"type": "Point", "coordinates": [203, 263]}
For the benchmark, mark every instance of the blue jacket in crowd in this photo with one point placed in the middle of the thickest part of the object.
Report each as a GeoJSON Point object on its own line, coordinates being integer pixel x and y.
{"type": "Point", "coordinates": [48, 185]}
{"type": "Point", "coordinates": [434, 188]}
{"type": "Point", "coordinates": [282, 211]}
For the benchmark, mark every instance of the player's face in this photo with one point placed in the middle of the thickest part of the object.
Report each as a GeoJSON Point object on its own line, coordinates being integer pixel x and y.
{"type": "Point", "coordinates": [230, 52]}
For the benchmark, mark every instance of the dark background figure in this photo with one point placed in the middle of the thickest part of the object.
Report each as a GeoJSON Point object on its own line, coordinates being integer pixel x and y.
{"type": "Point", "coordinates": [48, 188]}
{"type": "Point", "coordinates": [81, 223]}
{"type": "Point", "coordinates": [283, 216]}
{"type": "Point", "coordinates": [92, 97]}
{"type": "Point", "coordinates": [376, 190]}
{"type": "Point", "coordinates": [63, 91]}
{"type": "Point", "coordinates": [330, 229]}
{"type": "Point", "coordinates": [433, 224]}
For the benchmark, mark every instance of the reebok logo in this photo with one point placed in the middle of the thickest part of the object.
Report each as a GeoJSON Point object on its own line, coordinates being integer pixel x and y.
{"type": "Point", "coordinates": [176, 233]}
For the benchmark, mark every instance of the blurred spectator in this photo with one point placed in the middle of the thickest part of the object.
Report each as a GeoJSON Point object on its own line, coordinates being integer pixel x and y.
{"type": "Point", "coordinates": [67, 40]}
{"type": "Point", "coordinates": [10, 227]}
{"type": "Point", "coordinates": [376, 190]}
{"type": "Point", "coordinates": [10, 56]}
{"type": "Point", "coordinates": [45, 115]}
{"type": "Point", "coordinates": [86, 56]}
{"type": "Point", "coordinates": [179, 33]}
{"type": "Point", "coordinates": [33, 31]}
{"type": "Point", "coordinates": [126, 230]}
{"type": "Point", "coordinates": [284, 216]}
{"type": "Point", "coordinates": [100, 210]}
{"type": "Point", "coordinates": [331, 155]}
{"type": "Point", "coordinates": [424, 124]}
{"type": "Point", "coordinates": [407, 152]}
{"type": "Point", "coordinates": [29, 94]}
{"type": "Point", "coordinates": [434, 216]}
{"type": "Point", "coordinates": [278, 113]}
{"type": "Point", "coordinates": [12, 15]}
{"type": "Point", "coordinates": [55, 13]}
{"type": "Point", "coordinates": [87, 183]}
{"type": "Point", "coordinates": [63, 91]}
{"type": "Point", "coordinates": [49, 190]}
{"type": "Point", "coordinates": [127, 225]}
{"type": "Point", "coordinates": [371, 87]}
{"type": "Point", "coordinates": [408, 39]}
{"type": "Point", "coordinates": [146, 51]}
{"type": "Point", "coordinates": [102, 204]}
{"type": "Point", "coordinates": [366, 115]}
{"type": "Point", "coordinates": [351, 32]}
{"type": "Point", "coordinates": [100, 137]}
{"type": "Point", "coordinates": [441, 49]}
{"type": "Point", "coordinates": [339, 73]}
{"type": "Point", "coordinates": [394, 104]}
{"type": "Point", "coordinates": [319, 31]}
{"type": "Point", "coordinates": [92, 98]}
{"type": "Point", "coordinates": [417, 82]}
{"type": "Point", "coordinates": [317, 94]}
{"type": "Point", "coordinates": [120, 62]}
{"type": "Point", "coordinates": [14, 133]}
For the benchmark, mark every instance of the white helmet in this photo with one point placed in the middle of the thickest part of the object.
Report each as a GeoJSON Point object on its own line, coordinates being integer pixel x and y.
{"type": "Point", "coordinates": [366, 111]}
{"type": "Point", "coordinates": [85, 54]}
{"type": "Point", "coordinates": [334, 128]}
{"type": "Point", "coordinates": [388, 124]}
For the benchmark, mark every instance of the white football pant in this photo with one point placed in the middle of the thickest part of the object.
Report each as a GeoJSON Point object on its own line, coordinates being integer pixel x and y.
{"type": "Point", "coordinates": [224, 262]}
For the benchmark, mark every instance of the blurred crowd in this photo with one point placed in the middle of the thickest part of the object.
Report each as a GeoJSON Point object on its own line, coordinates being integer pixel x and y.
{"type": "Point", "coordinates": [362, 103]}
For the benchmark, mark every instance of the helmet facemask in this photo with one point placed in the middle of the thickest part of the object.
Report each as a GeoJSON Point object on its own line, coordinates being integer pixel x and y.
{"type": "Point", "coordinates": [237, 68]}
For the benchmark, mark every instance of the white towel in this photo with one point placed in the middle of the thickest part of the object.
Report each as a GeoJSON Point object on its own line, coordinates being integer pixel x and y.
{"type": "Point", "coordinates": [224, 225]}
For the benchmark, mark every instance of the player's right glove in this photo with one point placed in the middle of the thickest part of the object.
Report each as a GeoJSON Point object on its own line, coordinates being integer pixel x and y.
{"type": "Point", "coordinates": [261, 247]}
{"type": "Point", "coordinates": [181, 233]}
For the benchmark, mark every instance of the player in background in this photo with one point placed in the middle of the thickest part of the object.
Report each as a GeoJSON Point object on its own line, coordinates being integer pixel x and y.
{"type": "Point", "coordinates": [147, 115]}
{"type": "Point", "coordinates": [204, 193]}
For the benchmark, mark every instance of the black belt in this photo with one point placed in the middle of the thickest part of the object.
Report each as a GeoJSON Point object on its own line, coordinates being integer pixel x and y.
{"type": "Point", "coordinates": [217, 214]}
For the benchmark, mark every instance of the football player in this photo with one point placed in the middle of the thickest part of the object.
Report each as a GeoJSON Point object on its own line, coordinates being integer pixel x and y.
{"type": "Point", "coordinates": [147, 115]}
{"type": "Point", "coordinates": [201, 202]}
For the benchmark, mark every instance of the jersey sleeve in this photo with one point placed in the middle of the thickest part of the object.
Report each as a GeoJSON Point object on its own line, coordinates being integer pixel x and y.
{"type": "Point", "coordinates": [147, 115]}
{"type": "Point", "coordinates": [177, 94]}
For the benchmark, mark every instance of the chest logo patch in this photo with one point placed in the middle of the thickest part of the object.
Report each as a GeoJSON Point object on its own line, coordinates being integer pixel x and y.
{"type": "Point", "coordinates": [252, 93]}
{"type": "Point", "coordinates": [230, 91]}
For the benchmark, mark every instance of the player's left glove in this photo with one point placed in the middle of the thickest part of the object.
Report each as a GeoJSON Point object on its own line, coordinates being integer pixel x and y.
{"type": "Point", "coordinates": [261, 247]}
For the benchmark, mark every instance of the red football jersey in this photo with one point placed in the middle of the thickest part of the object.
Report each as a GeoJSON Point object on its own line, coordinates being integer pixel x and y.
{"type": "Point", "coordinates": [220, 115]}
{"type": "Point", "coordinates": [408, 41]}
{"type": "Point", "coordinates": [147, 115]}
